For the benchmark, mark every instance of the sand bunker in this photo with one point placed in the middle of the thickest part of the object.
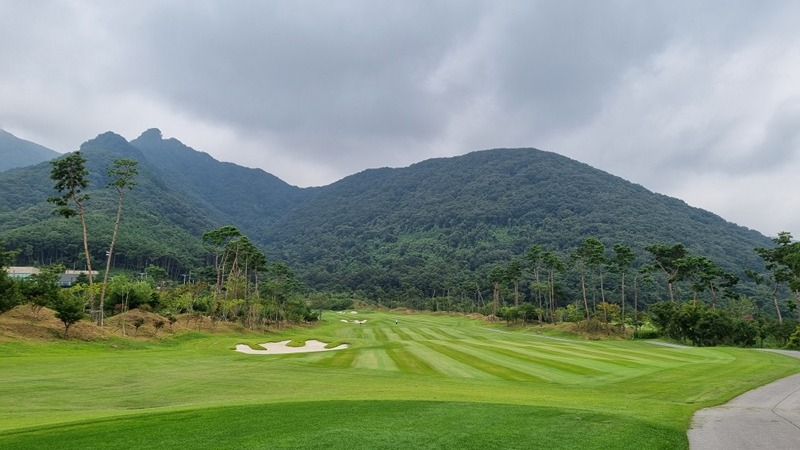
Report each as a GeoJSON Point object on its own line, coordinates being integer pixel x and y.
{"type": "Point", "coordinates": [279, 348]}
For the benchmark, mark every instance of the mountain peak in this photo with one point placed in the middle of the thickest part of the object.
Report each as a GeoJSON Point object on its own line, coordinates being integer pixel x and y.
{"type": "Point", "coordinates": [108, 139]}
{"type": "Point", "coordinates": [153, 134]}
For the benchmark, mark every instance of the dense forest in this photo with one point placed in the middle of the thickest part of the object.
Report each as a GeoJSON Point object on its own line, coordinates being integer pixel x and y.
{"type": "Point", "coordinates": [442, 224]}
{"type": "Point", "coordinates": [444, 234]}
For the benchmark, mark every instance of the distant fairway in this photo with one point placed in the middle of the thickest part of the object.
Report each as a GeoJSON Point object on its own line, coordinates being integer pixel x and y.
{"type": "Point", "coordinates": [428, 381]}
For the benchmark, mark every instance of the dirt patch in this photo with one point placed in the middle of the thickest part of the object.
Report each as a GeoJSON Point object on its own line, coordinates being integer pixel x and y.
{"type": "Point", "coordinates": [24, 323]}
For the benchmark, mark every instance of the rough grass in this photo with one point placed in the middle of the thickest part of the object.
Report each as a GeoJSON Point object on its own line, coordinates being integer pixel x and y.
{"type": "Point", "coordinates": [431, 381]}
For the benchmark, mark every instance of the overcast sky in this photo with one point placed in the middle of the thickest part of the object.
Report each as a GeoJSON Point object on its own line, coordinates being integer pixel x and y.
{"type": "Point", "coordinates": [698, 100]}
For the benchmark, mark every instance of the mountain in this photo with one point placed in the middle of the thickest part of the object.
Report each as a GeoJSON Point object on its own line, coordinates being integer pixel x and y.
{"type": "Point", "coordinates": [160, 225]}
{"type": "Point", "coordinates": [443, 223]}
{"type": "Point", "coordinates": [16, 152]}
{"type": "Point", "coordinates": [436, 226]}
{"type": "Point", "coordinates": [180, 194]}
{"type": "Point", "coordinates": [250, 198]}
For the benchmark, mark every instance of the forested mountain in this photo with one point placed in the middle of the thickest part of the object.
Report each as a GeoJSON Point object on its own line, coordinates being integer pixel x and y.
{"type": "Point", "coordinates": [181, 193]}
{"type": "Point", "coordinates": [250, 198]}
{"type": "Point", "coordinates": [16, 152]}
{"type": "Point", "coordinates": [160, 225]}
{"type": "Point", "coordinates": [440, 225]}
{"type": "Point", "coordinates": [436, 226]}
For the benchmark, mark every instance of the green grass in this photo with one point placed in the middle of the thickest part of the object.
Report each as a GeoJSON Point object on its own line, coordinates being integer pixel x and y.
{"type": "Point", "coordinates": [428, 382]}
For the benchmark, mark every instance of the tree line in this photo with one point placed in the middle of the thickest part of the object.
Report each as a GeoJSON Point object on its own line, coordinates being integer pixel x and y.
{"type": "Point", "coordinates": [697, 301]}
{"type": "Point", "coordinates": [240, 286]}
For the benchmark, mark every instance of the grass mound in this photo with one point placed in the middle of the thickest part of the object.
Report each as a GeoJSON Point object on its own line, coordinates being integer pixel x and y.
{"type": "Point", "coordinates": [359, 424]}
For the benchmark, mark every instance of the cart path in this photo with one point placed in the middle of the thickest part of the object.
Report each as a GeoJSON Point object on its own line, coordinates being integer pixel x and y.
{"type": "Point", "coordinates": [765, 418]}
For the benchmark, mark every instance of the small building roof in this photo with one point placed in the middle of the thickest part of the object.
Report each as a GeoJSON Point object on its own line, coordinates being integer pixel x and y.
{"type": "Point", "coordinates": [78, 272]}
{"type": "Point", "coordinates": [20, 270]}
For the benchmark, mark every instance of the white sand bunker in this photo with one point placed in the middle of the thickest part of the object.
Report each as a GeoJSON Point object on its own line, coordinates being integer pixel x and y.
{"type": "Point", "coordinates": [279, 348]}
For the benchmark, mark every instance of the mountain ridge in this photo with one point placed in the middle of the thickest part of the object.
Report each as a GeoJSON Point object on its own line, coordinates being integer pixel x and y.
{"type": "Point", "coordinates": [16, 152]}
{"type": "Point", "coordinates": [435, 225]}
{"type": "Point", "coordinates": [473, 211]}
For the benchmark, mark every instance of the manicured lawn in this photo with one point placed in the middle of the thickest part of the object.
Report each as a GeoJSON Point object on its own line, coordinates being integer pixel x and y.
{"type": "Point", "coordinates": [428, 381]}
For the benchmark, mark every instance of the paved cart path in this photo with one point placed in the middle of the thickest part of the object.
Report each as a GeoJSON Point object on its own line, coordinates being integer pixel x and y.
{"type": "Point", "coordinates": [764, 418]}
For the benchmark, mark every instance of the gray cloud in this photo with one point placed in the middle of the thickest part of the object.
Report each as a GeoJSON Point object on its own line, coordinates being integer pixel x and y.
{"type": "Point", "coordinates": [693, 99]}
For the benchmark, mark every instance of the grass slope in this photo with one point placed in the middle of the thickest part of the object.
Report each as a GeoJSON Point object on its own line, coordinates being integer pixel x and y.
{"type": "Point", "coordinates": [426, 382]}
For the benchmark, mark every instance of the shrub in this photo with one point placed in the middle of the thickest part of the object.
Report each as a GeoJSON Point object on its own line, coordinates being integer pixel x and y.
{"type": "Point", "coordinates": [137, 323]}
{"type": "Point", "coordinates": [69, 309]}
{"type": "Point", "coordinates": [702, 325]}
{"type": "Point", "coordinates": [646, 334]}
{"type": "Point", "coordinates": [794, 339]}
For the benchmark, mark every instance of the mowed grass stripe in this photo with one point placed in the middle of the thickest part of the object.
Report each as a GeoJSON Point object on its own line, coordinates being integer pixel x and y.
{"type": "Point", "coordinates": [408, 362]}
{"type": "Point", "coordinates": [446, 365]}
{"type": "Point", "coordinates": [340, 359]}
{"type": "Point", "coordinates": [374, 359]}
{"type": "Point", "coordinates": [565, 370]}
{"type": "Point", "coordinates": [588, 358]}
{"type": "Point", "coordinates": [549, 369]}
{"type": "Point", "coordinates": [413, 334]}
{"type": "Point", "coordinates": [380, 334]}
{"type": "Point", "coordinates": [403, 335]}
{"type": "Point", "coordinates": [558, 350]}
{"type": "Point", "coordinates": [478, 362]}
{"type": "Point", "coordinates": [392, 335]}
{"type": "Point", "coordinates": [422, 334]}
{"type": "Point", "coordinates": [665, 355]}
{"type": "Point", "coordinates": [440, 334]}
{"type": "Point", "coordinates": [617, 358]}
{"type": "Point", "coordinates": [683, 355]}
{"type": "Point", "coordinates": [368, 333]}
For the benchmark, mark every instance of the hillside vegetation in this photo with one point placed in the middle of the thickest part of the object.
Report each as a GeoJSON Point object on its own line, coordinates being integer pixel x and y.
{"type": "Point", "coordinates": [442, 224]}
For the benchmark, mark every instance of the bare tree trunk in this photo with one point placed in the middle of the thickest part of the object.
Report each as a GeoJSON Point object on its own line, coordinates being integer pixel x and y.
{"type": "Point", "coordinates": [538, 287]}
{"type": "Point", "coordinates": [108, 260]}
{"type": "Point", "coordinates": [495, 300]}
{"type": "Point", "coordinates": [775, 300]}
{"type": "Point", "coordinates": [635, 303]}
{"type": "Point", "coordinates": [85, 240]}
{"type": "Point", "coordinates": [583, 289]}
{"type": "Point", "coordinates": [713, 296]}
{"type": "Point", "coordinates": [622, 289]}
{"type": "Point", "coordinates": [797, 294]}
{"type": "Point", "coordinates": [552, 298]}
{"type": "Point", "coordinates": [602, 288]}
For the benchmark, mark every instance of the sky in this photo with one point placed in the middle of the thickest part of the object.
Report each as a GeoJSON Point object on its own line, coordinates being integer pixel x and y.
{"type": "Point", "coordinates": [698, 100]}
